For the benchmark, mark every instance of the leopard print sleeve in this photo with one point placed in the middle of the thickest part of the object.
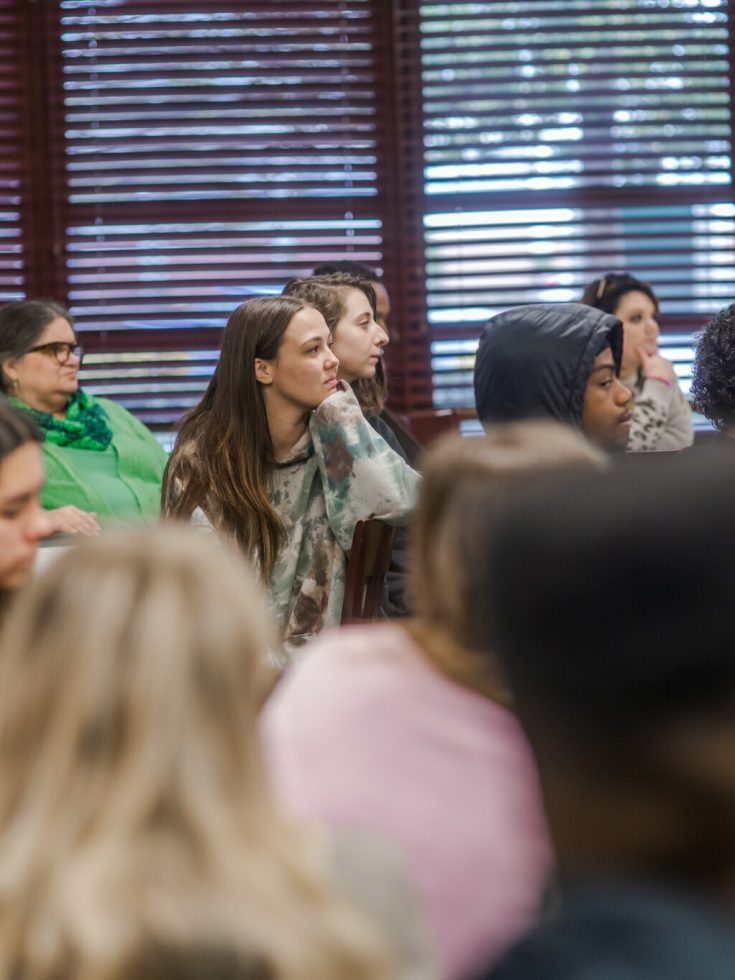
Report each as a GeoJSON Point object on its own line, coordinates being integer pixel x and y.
{"type": "Point", "coordinates": [661, 419]}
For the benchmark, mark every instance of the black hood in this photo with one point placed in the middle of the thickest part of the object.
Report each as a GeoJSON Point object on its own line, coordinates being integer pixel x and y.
{"type": "Point", "coordinates": [535, 361]}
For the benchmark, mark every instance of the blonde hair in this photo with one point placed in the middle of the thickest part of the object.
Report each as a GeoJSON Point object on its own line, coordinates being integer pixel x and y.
{"type": "Point", "coordinates": [465, 483]}
{"type": "Point", "coordinates": [136, 827]}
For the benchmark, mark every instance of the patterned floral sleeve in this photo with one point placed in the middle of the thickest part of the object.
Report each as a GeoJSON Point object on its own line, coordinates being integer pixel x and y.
{"type": "Point", "coordinates": [362, 476]}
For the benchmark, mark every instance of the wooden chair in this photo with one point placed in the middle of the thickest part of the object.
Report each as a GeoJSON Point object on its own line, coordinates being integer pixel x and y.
{"type": "Point", "coordinates": [368, 561]}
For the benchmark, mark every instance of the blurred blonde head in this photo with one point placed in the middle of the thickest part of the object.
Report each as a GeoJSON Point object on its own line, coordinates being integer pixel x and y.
{"type": "Point", "coordinates": [137, 831]}
{"type": "Point", "coordinates": [465, 483]}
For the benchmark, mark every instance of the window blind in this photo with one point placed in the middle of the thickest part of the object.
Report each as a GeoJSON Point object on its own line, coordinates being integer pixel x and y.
{"type": "Point", "coordinates": [11, 154]}
{"type": "Point", "coordinates": [563, 141]}
{"type": "Point", "coordinates": [212, 151]}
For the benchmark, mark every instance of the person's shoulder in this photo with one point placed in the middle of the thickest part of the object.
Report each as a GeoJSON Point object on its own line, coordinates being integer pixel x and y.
{"type": "Point", "coordinates": [122, 419]}
{"type": "Point", "coordinates": [353, 646]}
{"type": "Point", "coordinates": [386, 432]}
{"type": "Point", "coordinates": [117, 412]}
{"type": "Point", "coordinates": [346, 663]}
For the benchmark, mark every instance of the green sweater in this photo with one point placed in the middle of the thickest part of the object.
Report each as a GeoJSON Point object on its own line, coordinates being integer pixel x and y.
{"type": "Point", "coordinates": [140, 464]}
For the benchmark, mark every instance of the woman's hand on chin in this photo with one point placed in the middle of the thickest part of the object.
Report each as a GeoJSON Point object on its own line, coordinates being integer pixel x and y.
{"type": "Point", "coordinates": [72, 520]}
{"type": "Point", "coordinates": [656, 367]}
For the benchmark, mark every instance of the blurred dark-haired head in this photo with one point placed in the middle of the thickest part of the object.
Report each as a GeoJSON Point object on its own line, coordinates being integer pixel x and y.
{"type": "Point", "coordinates": [465, 484]}
{"type": "Point", "coordinates": [613, 610]}
{"type": "Point", "coordinates": [713, 371]}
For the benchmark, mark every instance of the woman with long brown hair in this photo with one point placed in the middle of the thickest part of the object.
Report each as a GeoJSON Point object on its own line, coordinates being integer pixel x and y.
{"type": "Point", "coordinates": [278, 456]}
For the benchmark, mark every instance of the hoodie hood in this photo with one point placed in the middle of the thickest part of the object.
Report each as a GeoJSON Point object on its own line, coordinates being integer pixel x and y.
{"type": "Point", "coordinates": [535, 361]}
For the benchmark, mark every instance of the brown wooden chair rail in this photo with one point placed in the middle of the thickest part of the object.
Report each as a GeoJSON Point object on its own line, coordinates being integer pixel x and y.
{"type": "Point", "coordinates": [367, 564]}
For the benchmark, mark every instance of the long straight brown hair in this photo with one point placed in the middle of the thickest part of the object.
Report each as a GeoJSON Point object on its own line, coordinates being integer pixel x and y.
{"type": "Point", "coordinates": [224, 452]}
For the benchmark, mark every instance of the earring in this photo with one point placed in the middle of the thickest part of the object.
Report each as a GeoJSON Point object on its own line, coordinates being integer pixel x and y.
{"type": "Point", "coordinates": [13, 385]}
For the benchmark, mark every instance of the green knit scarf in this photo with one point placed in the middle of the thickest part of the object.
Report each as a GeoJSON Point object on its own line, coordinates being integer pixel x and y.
{"type": "Point", "coordinates": [84, 427]}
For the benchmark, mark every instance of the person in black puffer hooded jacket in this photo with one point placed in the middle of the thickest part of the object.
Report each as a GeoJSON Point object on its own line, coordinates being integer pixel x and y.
{"type": "Point", "coordinates": [559, 361]}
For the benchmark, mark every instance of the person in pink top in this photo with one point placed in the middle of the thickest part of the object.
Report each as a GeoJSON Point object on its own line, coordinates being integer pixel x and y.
{"type": "Point", "coordinates": [406, 731]}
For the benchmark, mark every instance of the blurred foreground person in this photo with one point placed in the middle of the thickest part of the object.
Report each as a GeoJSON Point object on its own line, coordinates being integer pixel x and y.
{"type": "Point", "coordinates": [613, 610]}
{"type": "Point", "coordinates": [407, 731]}
{"type": "Point", "coordinates": [22, 521]}
{"type": "Point", "coordinates": [138, 838]}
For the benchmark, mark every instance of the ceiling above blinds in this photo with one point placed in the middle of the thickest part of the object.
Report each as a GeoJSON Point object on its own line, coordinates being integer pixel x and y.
{"type": "Point", "coordinates": [563, 141]}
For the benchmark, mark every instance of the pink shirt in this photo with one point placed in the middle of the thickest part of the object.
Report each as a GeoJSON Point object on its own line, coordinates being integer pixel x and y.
{"type": "Point", "coordinates": [366, 733]}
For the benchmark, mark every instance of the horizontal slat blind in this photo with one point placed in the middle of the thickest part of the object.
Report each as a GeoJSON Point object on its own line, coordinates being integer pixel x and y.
{"type": "Point", "coordinates": [213, 150]}
{"type": "Point", "coordinates": [155, 385]}
{"type": "Point", "coordinates": [563, 141]}
{"type": "Point", "coordinates": [11, 154]}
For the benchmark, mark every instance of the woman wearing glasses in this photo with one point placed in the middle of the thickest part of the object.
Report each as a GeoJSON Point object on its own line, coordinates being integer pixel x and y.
{"type": "Point", "coordinates": [101, 463]}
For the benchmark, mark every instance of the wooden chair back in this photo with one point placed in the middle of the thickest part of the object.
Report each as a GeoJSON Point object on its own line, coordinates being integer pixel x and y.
{"type": "Point", "coordinates": [367, 564]}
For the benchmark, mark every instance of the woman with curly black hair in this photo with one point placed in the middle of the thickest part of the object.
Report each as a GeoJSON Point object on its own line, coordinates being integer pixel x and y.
{"type": "Point", "coordinates": [713, 372]}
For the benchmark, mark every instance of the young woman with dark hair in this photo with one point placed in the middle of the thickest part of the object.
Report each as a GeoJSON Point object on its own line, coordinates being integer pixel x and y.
{"type": "Point", "coordinates": [411, 448]}
{"type": "Point", "coordinates": [348, 305]}
{"type": "Point", "coordinates": [22, 521]}
{"type": "Point", "coordinates": [278, 456]}
{"type": "Point", "coordinates": [661, 416]}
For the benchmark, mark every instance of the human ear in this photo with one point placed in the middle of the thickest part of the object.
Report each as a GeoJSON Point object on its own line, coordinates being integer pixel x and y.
{"type": "Point", "coordinates": [9, 371]}
{"type": "Point", "coordinates": [263, 371]}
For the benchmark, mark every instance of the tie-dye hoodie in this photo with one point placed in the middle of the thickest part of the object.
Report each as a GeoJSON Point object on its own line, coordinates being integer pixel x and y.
{"type": "Point", "coordinates": [340, 472]}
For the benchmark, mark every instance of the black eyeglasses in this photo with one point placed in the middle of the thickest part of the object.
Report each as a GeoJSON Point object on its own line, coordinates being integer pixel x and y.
{"type": "Point", "coordinates": [60, 350]}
